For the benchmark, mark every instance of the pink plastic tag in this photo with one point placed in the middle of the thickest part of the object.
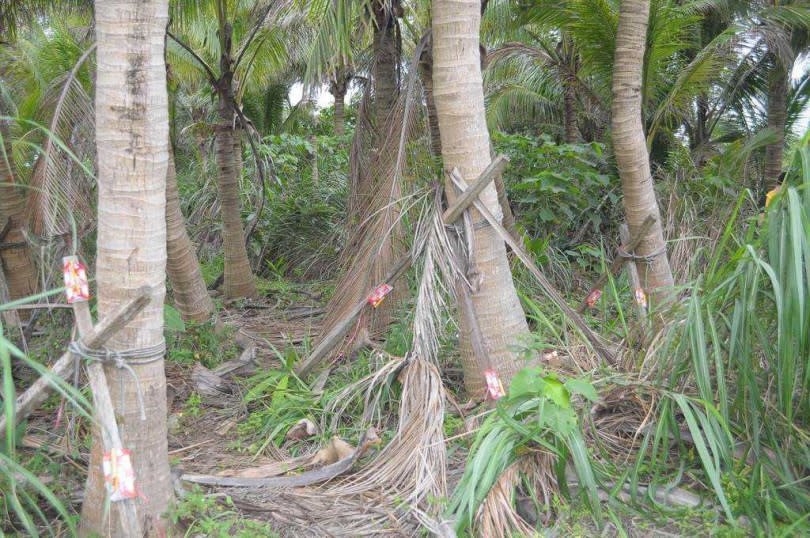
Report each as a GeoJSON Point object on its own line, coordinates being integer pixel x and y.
{"type": "Point", "coordinates": [641, 298]}
{"type": "Point", "coordinates": [76, 286]}
{"type": "Point", "coordinates": [119, 474]}
{"type": "Point", "coordinates": [494, 386]}
{"type": "Point", "coordinates": [379, 294]}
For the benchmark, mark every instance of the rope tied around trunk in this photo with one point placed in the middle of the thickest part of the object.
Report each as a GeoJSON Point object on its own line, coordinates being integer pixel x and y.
{"type": "Point", "coordinates": [646, 258]}
{"type": "Point", "coordinates": [123, 360]}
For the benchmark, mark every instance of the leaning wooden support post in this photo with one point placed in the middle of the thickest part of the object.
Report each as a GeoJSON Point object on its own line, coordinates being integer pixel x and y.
{"type": "Point", "coordinates": [451, 214]}
{"type": "Point", "coordinates": [597, 345]}
{"type": "Point", "coordinates": [104, 413]}
{"type": "Point", "coordinates": [95, 338]}
{"type": "Point", "coordinates": [629, 244]}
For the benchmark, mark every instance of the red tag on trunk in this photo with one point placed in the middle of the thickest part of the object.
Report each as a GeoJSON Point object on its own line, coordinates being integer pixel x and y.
{"type": "Point", "coordinates": [593, 298]}
{"type": "Point", "coordinates": [119, 476]}
{"type": "Point", "coordinates": [76, 285]}
{"type": "Point", "coordinates": [641, 298]}
{"type": "Point", "coordinates": [379, 294]}
{"type": "Point", "coordinates": [494, 386]}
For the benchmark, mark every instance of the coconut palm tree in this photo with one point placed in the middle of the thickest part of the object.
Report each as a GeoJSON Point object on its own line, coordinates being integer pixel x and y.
{"type": "Point", "coordinates": [132, 138]}
{"type": "Point", "coordinates": [629, 145]}
{"type": "Point", "coordinates": [232, 46]}
{"type": "Point", "coordinates": [188, 287]}
{"type": "Point", "coordinates": [459, 95]}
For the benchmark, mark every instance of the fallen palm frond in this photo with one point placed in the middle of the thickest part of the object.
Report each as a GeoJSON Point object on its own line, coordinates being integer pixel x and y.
{"type": "Point", "coordinates": [441, 268]}
{"type": "Point", "coordinates": [392, 494]}
{"type": "Point", "coordinates": [503, 513]}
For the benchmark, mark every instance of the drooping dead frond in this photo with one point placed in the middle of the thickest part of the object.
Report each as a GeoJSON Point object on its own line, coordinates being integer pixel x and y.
{"type": "Point", "coordinates": [384, 172]}
{"type": "Point", "coordinates": [440, 270]}
{"type": "Point", "coordinates": [61, 187]}
{"type": "Point", "coordinates": [511, 500]}
{"type": "Point", "coordinates": [371, 387]}
{"type": "Point", "coordinates": [412, 465]}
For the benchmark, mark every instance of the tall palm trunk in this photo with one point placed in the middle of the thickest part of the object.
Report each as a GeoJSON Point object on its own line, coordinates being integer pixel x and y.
{"type": "Point", "coordinates": [15, 254]}
{"type": "Point", "coordinates": [132, 135]}
{"type": "Point", "coordinates": [386, 60]}
{"type": "Point", "coordinates": [239, 280]}
{"type": "Point", "coordinates": [340, 113]}
{"type": "Point", "coordinates": [569, 109]}
{"type": "Point", "coordinates": [459, 95]}
{"type": "Point", "coordinates": [777, 118]}
{"type": "Point", "coordinates": [629, 144]}
{"type": "Point", "coordinates": [190, 294]}
{"type": "Point", "coordinates": [426, 74]}
{"type": "Point", "coordinates": [338, 87]}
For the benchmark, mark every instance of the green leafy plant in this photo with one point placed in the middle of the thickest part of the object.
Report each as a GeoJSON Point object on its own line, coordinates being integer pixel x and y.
{"type": "Point", "coordinates": [538, 412]}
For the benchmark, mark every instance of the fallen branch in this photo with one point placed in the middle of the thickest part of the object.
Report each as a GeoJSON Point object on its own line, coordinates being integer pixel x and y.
{"type": "Point", "coordinates": [104, 412]}
{"type": "Point", "coordinates": [32, 398]}
{"type": "Point", "coordinates": [327, 472]}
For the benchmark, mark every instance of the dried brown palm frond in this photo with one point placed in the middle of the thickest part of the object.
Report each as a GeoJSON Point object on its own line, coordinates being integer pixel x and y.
{"type": "Point", "coordinates": [440, 270]}
{"type": "Point", "coordinates": [413, 464]}
{"type": "Point", "coordinates": [391, 495]}
{"type": "Point", "coordinates": [503, 514]}
{"type": "Point", "coordinates": [371, 387]}
{"type": "Point", "coordinates": [61, 186]}
{"type": "Point", "coordinates": [618, 422]}
{"type": "Point", "coordinates": [383, 173]}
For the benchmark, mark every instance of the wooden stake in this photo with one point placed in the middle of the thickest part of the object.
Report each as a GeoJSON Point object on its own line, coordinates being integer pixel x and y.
{"type": "Point", "coordinates": [597, 345]}
{"type": "Point", "coordinates": [629, 245]}
{"type": "Point", "coordinates": [37, 393]}
{"type": "Point", "coordinates": [104, 411]}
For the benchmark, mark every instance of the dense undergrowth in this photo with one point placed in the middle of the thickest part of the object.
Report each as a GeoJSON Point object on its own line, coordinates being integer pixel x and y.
{"type": "Point", "coordinates": [712, 400]}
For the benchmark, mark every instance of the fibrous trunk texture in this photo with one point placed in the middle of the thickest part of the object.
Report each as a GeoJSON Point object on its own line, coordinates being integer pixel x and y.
{"type": "Point", "coordinates": [132, 136]}
{"type": "Point", "coordinates": [459, 95]}
{"type": "Point", "coordinates": [630, 147]}
{"type": "Point", "coordinates": [777, 117]}
{"type": "Point", "coordinates": [386, 61]}
{"type": "Point", "coordinates": [239, 280]}
{"type": "Point", "coordinates": [15, 253]}
{"type": "Point", "coordinates": [337, 88]}
{"type": "Point", "coordinates": [426, 75]}
{"type": "Point", "coordinates": [570, 120]}
{"type": "Point", "coordinates": [188, 287]}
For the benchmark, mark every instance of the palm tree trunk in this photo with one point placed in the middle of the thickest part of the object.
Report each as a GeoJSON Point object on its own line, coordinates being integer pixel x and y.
{"type": "Point", "coordinates": [190, 294]}
{"type": "Point", "coordinates": [132, 135]}
{"type": "Point", "coordinates": [386, 61]}
{"type": "Point", "coordinates": [629, 144]}
{"type": "Point", "coordinates": [340, 114]}
{"type": "Point", "coordinates": [777, 118]}
{"type": "Point", "coordinates": [426, 73]}
{"type": "Point", "coordinates": [459, 95]}
{"type": "Point", "coordinates": [239, 280]}
{"type": "Point", "coordinates": [569, 109]}
{"type": "Point", "coordinates": [337, 88]}
{"type": "Point", "coordinates": [15, 254]}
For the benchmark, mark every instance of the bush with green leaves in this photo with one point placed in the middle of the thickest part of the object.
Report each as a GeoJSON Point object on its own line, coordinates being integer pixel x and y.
{"type": "Point", "coordinates": [301, 226]}
{"type": "Point", "coordinates": [561, 193]}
